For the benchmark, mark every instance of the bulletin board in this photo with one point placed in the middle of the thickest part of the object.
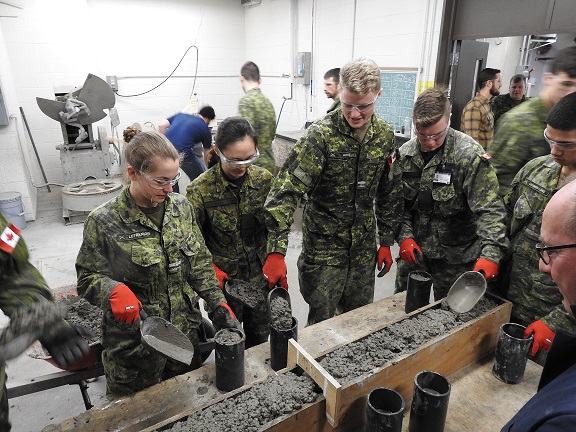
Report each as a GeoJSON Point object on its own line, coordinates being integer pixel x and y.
{"type": "Point", "coordinates": [398, 96]}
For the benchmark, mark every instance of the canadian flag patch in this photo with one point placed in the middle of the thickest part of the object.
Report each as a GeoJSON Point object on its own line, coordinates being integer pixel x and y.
{"type": "Point", "coordinates": [392, 158]}
{"type": "Point", "coordinates": [486, 156]}
{"type": "Point", "coordinates": [9, 238]}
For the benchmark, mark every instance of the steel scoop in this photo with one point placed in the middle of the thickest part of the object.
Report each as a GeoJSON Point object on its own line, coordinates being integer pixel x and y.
{"type": "Point", "coordinates": [466, 291]}
{"type": "Point", "coordinates": [163, 337]}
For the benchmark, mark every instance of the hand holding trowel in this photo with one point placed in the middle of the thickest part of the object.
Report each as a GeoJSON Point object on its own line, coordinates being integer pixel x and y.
{"type": "Point", "coordinates": [157, 333]}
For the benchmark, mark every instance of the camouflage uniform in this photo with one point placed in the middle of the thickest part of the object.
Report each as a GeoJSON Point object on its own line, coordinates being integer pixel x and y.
{"type": "Point", "coordinates": [230, 218]}
{"type": "Point", "coordinates": [452, 209]}
{"type": "Point", "coordinates": [348, 182]}
{"type": "Point", "coordinates": [534, 294]}
{"type": "Point", "coordinates": [501, 104]}
{"type": "Point", "coordinates": [258, 110]}
{"type": "Point", "coordinates": [519, 139]}
{"type": "Point", "coordinates": [478, 120]}
{"type": "Point", "coordinates": [162, 267]}
{"type": "Point", "coordinates": [20, 284]}
{"type": "Point", "coordinates": [335, 105]}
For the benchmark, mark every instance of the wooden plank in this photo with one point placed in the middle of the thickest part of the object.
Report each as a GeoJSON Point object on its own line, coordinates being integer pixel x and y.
{"type": "Point", "coordinates": [330, 387]}
{"type": "Point", "coordinates": [194, 389]}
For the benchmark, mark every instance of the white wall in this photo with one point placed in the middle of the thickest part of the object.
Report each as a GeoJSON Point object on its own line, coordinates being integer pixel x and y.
{"type": "Point", "coordinates": [58, 42]}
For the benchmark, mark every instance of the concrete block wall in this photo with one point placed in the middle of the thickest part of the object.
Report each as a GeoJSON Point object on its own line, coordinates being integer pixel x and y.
{"type": "Point", "coordinates": [58, 42]}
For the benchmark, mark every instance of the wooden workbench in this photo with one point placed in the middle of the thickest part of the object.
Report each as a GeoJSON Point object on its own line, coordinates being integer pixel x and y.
{"type": "Point", "coordinates": [478, 401]}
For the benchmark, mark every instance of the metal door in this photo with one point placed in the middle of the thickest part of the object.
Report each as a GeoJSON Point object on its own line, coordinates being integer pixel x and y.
{"type": "Point", "coordinates": [468, 58]}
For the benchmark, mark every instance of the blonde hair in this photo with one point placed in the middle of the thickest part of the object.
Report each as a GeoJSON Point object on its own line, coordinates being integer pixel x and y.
{"type": "Point", "coordinates": [145, 147]}
{"type": "Point", "coordinates": [361, 76]}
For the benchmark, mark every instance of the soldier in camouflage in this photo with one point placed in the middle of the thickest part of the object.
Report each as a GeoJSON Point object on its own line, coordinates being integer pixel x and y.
{"type": "Point", "coordinates": [258, 110]}
{"type": "Point", "coordinates": [518, 137]}
{"type": "Point", "coordinates": [454, 220]}
{"type": "Point", "coordinates": [537, 303]}
{"type": "Point", "coordinates": [143, 249]}
{"type": "Point", "coordinates": [346, 164]}
{"type": "Point", "coordinates": [228, 201]}
{"type": "Point", "coordinates": [23, 290]}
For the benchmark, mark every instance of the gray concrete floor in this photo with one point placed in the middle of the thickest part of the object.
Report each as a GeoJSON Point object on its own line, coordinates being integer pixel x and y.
{"type": "Point", "coordinates": [53, 248]}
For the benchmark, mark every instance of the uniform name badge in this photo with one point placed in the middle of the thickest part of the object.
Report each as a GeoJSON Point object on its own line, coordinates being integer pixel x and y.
{"type": "Point", "coordinates": [442, 177]}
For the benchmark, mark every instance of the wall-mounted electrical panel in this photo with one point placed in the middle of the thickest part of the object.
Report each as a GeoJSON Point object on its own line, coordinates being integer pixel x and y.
{"type": "Point", "coordinates": [303, 67]}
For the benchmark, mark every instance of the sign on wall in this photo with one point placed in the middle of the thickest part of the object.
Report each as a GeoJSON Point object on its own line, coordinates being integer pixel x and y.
{"type": "Point", "coordinates": [397, 98]}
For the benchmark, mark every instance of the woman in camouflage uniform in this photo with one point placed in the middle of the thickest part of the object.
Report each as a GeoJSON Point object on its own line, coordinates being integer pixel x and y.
{"type": "Point", "coordinates": [228, 201]}
{"type": "Point", "coordinates": [143, 249]}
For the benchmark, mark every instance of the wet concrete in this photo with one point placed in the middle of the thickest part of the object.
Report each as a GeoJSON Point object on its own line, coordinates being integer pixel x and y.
{"type": "Point", "coordinates": [227, 337]}
{"type": "Point", "coordinates": [250, 410]}
{"type": "Point", "coordinates": [280, 314]}
{"type": "Point", "coordinates": [245, 292]}
{"type": "Point", "coordinates": [399, 339]}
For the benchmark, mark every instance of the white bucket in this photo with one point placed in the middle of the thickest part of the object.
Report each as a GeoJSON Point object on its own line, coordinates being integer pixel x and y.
{"type": "Point", "coordinates": [11, 208]}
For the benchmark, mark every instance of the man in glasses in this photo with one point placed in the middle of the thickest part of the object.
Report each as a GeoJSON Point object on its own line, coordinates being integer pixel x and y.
{"type": "Point", "coordinates": [332, 88]}
{"type": "Point", "coordinates": [477, 118]}
{"type": "Point", "coordinates": [519, 138]}
{"type": "Point", "coordinates": [553, 408]}
{"type": "Point", "coordinates": [537, 302]}
{"type": "Point", "coordinates": [346, 164]}
{"type": "Point", "coordinates": [454, 220]}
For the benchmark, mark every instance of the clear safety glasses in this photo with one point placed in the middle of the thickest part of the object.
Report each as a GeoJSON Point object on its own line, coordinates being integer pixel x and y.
{"type": "Point", "coordinates": [160, 183]}
{"type": "Point", "coordinates": [239, 163]}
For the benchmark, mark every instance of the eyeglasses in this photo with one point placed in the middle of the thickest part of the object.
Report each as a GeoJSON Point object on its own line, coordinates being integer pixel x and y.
{"type": "Point", "coordinates": [544, 251]}
{"type": "Point", "coordinates": [240, 163]}
{"type": "Point", "coordinates": [565, 145]}
{"type": "Point", "coordinates": [433, 136]}
{"type": "Point", "coordinates": [359, 108]}
{"type": "Point", "coordinates": [160, 183]}
{"type": "Point", "coordinates": [565, 84]}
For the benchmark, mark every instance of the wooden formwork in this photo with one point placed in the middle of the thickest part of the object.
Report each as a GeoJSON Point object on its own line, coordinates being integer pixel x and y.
{"type": "Point", "coordinates": [342, 405]}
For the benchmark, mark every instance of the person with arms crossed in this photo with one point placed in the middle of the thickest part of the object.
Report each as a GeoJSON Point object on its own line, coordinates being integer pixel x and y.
{"type": "Point", "coordinates": [477, 118]}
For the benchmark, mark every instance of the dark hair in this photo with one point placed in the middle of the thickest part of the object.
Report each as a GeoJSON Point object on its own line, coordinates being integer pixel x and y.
{"type": "Point", "coordinates": [565, 61]}
{"type": "Point", "coordinates": [250, 71]}
{"type": "Point", "coordinates": [485, 75]}
{"type": "Point", "coordinates": [562, 116]}
{"type": "Point", "coordinates": [517, 78]}
{"type": "Point", "coordinates": [233, 129]}
{"type": "Point", "coordinates": [144, 147]}
{"type": "Point", "coordinates": [431, 106]}
{"type": "Point", "coordinates": [208, 112]}
{"type": "Point", "coordinates": [333, 73]}
{"type": "Point", "coordinates": [130, 132]}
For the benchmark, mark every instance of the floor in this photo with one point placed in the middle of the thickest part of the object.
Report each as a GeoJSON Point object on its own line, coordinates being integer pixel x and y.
{"type": "Point", "coordinates": [53, 248]}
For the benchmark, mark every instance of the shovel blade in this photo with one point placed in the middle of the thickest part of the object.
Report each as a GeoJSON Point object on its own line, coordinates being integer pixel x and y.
{"type": "Point", "coordinates": [466, 291]}
{"type": "Point", "coordinates": [164, 338]}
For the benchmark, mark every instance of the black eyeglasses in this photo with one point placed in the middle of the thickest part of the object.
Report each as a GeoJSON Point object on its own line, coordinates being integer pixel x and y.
{"type": "Point", "coordinates": [544, 251]}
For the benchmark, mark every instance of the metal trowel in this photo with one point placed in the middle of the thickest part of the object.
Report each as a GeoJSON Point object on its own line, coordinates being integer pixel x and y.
{"type": "Point", "coordinates": [466, 291]}
{"type": "Point", "coordinates": [278, 292]}
{"type": "Point", "coordinates": [163, 337]}
{"type": "Point", "coordinates": [244, 292]}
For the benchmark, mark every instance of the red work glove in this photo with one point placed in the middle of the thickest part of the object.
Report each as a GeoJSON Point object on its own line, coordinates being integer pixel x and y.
{"type": "Point", "coordinates": [543, 336]}
{"type": "Point", "coordinates": [274, 271]}
{"type": "Point", "coordinates": [410, 251]}
{"type": "Point", "coordinates": [383, 260]}
{"type": "Point", "coordinates": [220, 275]}
{"type": "Point", "coordinates": [488, 268]}
{"type": "Point", "coordinates": [224, 317]}
{"type": "Point", "coordinates": [125, 306]}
